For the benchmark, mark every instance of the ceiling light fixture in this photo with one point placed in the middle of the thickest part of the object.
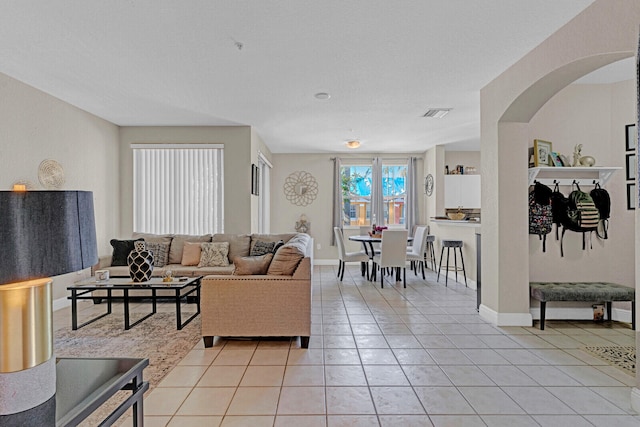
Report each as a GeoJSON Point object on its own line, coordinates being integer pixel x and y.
{"type": "Point", "coordinates": [322, 95]}
{"type": "Point", "coordinates": [353, 143]}
{"type": "Point", "coordinates": [437, 113]}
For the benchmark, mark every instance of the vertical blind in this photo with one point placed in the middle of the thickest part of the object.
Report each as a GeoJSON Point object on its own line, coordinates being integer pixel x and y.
{"type": "Point", "coordinates": [178, 189]}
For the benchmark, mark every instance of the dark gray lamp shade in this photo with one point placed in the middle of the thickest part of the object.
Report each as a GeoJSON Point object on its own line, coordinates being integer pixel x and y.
{"type": "Point", "coordinates": [45, 233]}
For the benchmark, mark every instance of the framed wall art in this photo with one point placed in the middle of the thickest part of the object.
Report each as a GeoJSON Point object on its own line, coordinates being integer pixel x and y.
{"type": "Point", "coordinates": [631, 137]}
{"type": "Point", "coordinates": [631, 196]}
{"type": "Point", "coordinates": [255, 180]}
{"type": "Point", "coordinates": [631, 166]}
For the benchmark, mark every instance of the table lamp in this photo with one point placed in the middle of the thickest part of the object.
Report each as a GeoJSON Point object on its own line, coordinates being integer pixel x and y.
{"type": "Point", "coordinates": [42, 234]}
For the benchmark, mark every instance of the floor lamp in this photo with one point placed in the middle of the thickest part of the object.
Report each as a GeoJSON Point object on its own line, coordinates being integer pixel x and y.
{"type": "Point", "coordinates": [42, 234]}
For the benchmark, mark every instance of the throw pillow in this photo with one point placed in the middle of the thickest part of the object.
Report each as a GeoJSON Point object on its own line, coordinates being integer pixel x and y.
{"type": "Point", "coordinates": [191, 253]}
{"type": "Point", "coordinates": [277, 246]}
{"type": "Point", "coordinates": [214, 254]}
{"type": "Point", "coordinates": [160, 253]}
{"type": "Point", "coordinates": [121, 249]}
{"type": "Point", "coordinates": [286, 260]}
{"type": "Point", "coordinates": [262, 248]}
{"type": "Point", "coordinates": [238, 244]}
{"type": "Point", "coordinates": [177, 243]}
{"type": "Point", "coordinates": [252, 265]}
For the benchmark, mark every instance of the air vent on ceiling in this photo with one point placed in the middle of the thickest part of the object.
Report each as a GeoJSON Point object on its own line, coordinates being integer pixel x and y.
{"type": "Point", "coordinates": [437, 113]}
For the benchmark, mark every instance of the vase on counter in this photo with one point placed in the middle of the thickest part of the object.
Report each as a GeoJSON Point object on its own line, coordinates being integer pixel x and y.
{"type": "Point", "coordinates": [140, 261]}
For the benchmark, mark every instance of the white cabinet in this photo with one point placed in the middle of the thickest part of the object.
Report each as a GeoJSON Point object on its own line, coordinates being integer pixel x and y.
{"type": "Point", "coordinates": [462, 190]}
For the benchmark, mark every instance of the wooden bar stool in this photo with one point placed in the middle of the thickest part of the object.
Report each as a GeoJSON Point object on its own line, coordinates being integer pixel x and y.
{"type": "Point", "coordinates": [455, 244]}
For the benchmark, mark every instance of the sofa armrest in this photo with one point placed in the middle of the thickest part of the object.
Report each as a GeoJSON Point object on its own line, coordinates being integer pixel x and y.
{"type": "Point", "coordinates": [104, 261]}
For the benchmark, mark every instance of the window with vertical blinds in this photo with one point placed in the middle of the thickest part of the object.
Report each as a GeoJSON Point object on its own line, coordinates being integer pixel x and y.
{"type": "Point", "coordinates": [178, 188]}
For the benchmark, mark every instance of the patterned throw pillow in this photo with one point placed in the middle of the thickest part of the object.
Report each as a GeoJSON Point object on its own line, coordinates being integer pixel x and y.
{"type": "Point", "coordinates": [160, 253]}
{"type": "Point", "coordinates": [262, 248]}
{"type": "Point", "coordinates": [214, 254]}
{"type": "Point", "coordinates": [277, 245]}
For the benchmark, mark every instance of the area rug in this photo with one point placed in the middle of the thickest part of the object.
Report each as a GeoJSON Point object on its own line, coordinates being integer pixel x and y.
{"type": "Point", "coordinates": [156, 339]}
{"type": "Point", "coordinates": [622, 357]}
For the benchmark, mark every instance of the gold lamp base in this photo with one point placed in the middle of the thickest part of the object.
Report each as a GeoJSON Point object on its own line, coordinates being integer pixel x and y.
{"type": "Point", "coordinates": [26, 329]}
{"type": "Point", "coordinates": [27, 366]}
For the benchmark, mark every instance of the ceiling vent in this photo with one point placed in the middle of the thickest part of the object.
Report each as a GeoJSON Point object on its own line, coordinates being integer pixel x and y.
{"type": "Point", "coordinates": [437, 113]}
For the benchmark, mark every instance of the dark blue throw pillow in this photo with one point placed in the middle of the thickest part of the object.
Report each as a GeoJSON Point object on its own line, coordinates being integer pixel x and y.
{"type": "Point", "coordinates": [121, 249]}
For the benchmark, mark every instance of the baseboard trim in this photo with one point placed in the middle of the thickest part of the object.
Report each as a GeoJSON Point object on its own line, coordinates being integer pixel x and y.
{"type": "Point", "coordinates": [61, 303]}
{"type": "Point", "coordinates": [579, 313]}
{"type": "Point", "coordinates": [505, 319]}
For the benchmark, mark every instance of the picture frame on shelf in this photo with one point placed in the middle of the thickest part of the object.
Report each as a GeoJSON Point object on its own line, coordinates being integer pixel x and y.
{"type": "Point", "coordinates": [631, 166]}
{"type": "Point", "coordinates": [631, 137]}
{"type": "Point", "coordinates": [632, 199]}
{"type": "Point", "coordinates": [555, 159]}
{"type": "Point", "coordinates": [541, 152]}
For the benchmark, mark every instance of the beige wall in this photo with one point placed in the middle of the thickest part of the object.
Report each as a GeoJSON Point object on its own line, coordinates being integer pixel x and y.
{"type": "Point", "coordinates": [508, 103]}
{"type": "Point", "coordinates": [257, 146]}
{"type": "Point", "coordinates": [35, 126]}
{"type": "Point", "coordinates": [595, 116]}
{"type": "Point", "coordinates": [285, 214]}
{"type": "Point", "coordinates": [237, 168]}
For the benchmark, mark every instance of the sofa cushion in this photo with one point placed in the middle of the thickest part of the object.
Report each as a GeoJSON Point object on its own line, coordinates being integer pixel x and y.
{"type": "Point", "coordinates": [261, 248]}
{"type": "Point", "coordinates": [286, 259]}
{"type": "Point", "coordinates": [238, 244]}
{"type": "Point", "coordinates": [191, 253]}
{"type": "Point", "coordinates": [121, 249]}
{"type": "Point", "coordinates": [177, 245]}
{"type": "Point", "coordinates": [160, 253]}
{"type": "Point", "coordinates": [214, 254]}
{"type": "Point", "coordinates": [153, 238]}
{"type": "Point", "coordinates": [252, 265]}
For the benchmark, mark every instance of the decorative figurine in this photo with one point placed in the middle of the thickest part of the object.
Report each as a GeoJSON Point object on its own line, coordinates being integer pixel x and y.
{"type": "Point", "coordinates": [577, 153]}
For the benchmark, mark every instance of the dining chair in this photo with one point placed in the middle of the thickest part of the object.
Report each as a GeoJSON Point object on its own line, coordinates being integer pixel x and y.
{"type": "Point", "coordinates": [393, 254]}
{"type": "Point", "coordinates": [344, 256]}
{"type": "Point", "coordinates": [415, 253]}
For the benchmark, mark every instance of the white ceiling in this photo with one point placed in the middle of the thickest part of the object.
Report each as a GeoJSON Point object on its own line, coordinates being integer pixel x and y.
{"type": "Point", "coordinates": [260, 62]}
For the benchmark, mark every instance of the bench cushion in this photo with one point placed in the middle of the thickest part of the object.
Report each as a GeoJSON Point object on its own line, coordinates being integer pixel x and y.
{"type": "Point", "coordinates": [581, 291]}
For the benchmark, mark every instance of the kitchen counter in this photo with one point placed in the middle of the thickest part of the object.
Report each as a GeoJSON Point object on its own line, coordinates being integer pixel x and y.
{"type": "Point", "coordinates": [462, 223]}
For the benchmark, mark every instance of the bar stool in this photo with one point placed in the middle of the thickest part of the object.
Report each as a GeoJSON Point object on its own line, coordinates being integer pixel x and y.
{"type": "Point", "coordinates": [455, 244]}
{"type": "Point", "coordinates": [429, 252]}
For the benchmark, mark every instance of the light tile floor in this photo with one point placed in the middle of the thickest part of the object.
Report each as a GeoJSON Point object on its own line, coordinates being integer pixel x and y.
{"type": "Point", "coordinates": [419, 356]}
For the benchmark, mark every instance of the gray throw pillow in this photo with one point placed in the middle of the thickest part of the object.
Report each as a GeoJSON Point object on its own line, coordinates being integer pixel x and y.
{"type": "Point", "coordinates": [160, 253]}
{"type": "Point", "coordinates": [262, 248]}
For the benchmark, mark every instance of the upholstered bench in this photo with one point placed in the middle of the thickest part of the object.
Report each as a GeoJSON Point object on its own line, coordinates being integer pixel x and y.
{"type": "Point", "coordinates": [582, 291]}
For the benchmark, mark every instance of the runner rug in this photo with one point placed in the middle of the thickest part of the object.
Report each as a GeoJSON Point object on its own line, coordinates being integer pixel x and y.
{"type": "Point", "coordinates": [622, 357]}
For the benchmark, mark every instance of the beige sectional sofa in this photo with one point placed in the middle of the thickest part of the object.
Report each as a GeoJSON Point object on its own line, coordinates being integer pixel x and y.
{"type": "Point", "coordinates": [254, 296]}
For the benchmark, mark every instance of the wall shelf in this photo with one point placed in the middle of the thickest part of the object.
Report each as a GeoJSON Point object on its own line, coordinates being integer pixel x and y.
{"type": "Point", "coordinates": [550, 175]}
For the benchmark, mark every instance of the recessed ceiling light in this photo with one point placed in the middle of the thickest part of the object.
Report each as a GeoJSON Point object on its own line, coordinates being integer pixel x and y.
{"type": "Point", "coordinates": [322, 95]}
{"type": "Point", "coordinates": [437, 113]}
{"type": "Point", "coordinates": [353, 143]}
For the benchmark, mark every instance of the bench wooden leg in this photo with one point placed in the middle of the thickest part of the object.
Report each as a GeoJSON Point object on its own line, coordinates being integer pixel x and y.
{"type": "Point", "coordinates": [609, 318]}
{"type": "Point", "coordinates": [633, 315]}
{"type": "Point", "coordinates": [543, 308]}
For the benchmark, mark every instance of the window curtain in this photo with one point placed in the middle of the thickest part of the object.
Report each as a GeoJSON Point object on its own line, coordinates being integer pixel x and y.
{"type": "Point", "coordinates": [377, 197]}
{"type": "Point", "coordinates": [411, 195]}
{"type": "Point", "coordinates": [337, 199]}
{"type": "Point", "coordinates": [178, 190]}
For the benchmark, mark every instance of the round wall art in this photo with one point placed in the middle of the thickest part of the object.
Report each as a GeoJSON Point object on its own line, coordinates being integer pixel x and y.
{"type": "Point", "coordinates": [51, 174]}
{"type": "Point", "coordinates": [300, 188]}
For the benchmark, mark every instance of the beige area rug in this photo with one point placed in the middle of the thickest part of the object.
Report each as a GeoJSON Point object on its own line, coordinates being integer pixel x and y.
{"type": "Point", "coordinates": [156, 339]}
{"type": "Point", "coordinates": [622, 357]}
